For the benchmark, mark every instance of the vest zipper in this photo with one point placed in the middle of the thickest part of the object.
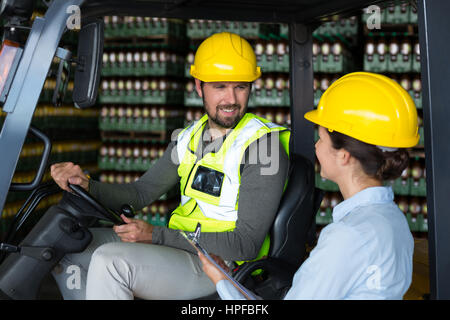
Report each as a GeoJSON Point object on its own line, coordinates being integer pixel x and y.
{"type": "Point", "coordinates": [189, 175]}
{"type": "Point", "coordinates": [196, 157]}
{"type": "Point", "coordinates": [196, 204]}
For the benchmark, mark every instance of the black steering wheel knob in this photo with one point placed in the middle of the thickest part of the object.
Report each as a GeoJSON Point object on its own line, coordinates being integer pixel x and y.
{"type": "Point", "coordinates": [128, 211]}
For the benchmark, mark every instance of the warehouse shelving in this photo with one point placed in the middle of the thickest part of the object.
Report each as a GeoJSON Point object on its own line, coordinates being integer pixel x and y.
{"type": "Point", "coordinates": [392, 50]}
{"type": "Point", "coordinates": [146, 91]}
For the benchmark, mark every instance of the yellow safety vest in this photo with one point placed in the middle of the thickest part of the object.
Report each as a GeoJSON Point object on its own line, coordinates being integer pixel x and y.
{"type": "Point", "coordinates": [210, 186]}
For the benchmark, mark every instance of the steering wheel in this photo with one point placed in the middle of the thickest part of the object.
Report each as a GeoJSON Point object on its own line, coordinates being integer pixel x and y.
{"type": "Point", "coordinates": [108, 214]}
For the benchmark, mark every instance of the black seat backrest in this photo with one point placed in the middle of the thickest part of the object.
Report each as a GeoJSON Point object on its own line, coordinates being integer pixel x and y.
{"type": "Point", "coordinates": [296, 212]}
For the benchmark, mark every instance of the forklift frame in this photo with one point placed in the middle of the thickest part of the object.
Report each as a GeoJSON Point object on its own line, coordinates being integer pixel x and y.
{"type": "Point", "coordinates": [302, 17]}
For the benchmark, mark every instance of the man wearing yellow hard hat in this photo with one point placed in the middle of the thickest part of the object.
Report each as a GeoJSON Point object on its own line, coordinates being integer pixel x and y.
{"type": "Point", "coordinates": [226, 183]}
{"type": "Point", "coordinates": [365, 123]}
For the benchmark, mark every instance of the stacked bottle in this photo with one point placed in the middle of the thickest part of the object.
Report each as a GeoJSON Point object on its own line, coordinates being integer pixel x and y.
{"type": "Point", "coordinates": [418, 178]}
{"type": "Point", "coordinates": [321, 83]}
{"type": "Point", "coordinates": [191, 98]}
{"type": "Point", "coordinates": [129, 156]}
{"type": "Point", "coordinates": [142, 62]}
{"type": "Point", "coordinates": [48, 117]}
{"type": "Point", "coordinates": [158, 213]}
{"type": "Point", "coordinates": [281, 116]}
{"type": "Point", "coordinates": [333, 48]}
{"type": "Point", "coordinates": [415, 210]}
{"type": "Point", "coordinates": [394, 51]}
{"type": "Point", "coordinates": [395, 54]}
{"type": "Point", "coordinates": [347, 28]}
{"type": "Point", "coordinates": [129, 26]}
{"type": "Point", "coordinates": [140, 118]}
{"type": "Point", "coordinates": [411, 83]}
{"type": "Point", "coordinates": [272, 55]}
{"type": "Point", "coordinates": [271, 90]}
{"type": "Point", "coordinates": [81, 152]}
{"type": "Point", "coordinates": [141, 93]}
{"type": "Point", "coordinates": [329, 201]}
{"type": "Point", "coordinates": [332, 56]}
{"type": "Point", "coordinates": [141, 90]}
{"type": "Point", "coordinates": [192, 114]}
{"type": "Point", "coordinates": [201, 29]}
{"type": "Point", "coordinates": [397, 12]}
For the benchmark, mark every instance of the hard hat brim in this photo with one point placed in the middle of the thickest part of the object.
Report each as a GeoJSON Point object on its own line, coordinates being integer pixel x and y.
{"type": "Point", "coordinates": [224, 77]}
{"type": "Point", "coordinates": [313, 116]}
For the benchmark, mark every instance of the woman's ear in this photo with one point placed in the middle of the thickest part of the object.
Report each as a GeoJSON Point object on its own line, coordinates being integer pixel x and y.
{"type": "Point", "coordinates": [198, 88]}
{"type": "Point", "coordinates": [344, 157]}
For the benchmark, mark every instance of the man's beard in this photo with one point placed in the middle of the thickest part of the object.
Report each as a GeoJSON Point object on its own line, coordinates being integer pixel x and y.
{"type": "Point", "coordinates": [230, 122]}
{"type": "Point", "coordinates": [224, 123]}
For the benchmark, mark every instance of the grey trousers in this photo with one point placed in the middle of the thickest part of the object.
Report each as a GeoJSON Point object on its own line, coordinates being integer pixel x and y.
{"type": "Point", "coordinates": [110, 269]}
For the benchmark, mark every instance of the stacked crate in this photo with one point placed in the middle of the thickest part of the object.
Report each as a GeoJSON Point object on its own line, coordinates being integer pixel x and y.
{"type": "Point", "coordinates": [270, 93]}
{"type": "Point", "coordinates": [392, 50]}
{"type": "Point", "coordinates": [334, 54]}
{"type": "Point", "coordinates": [146, 92]}
{"type": "Point", "coordinates": [141, 100]}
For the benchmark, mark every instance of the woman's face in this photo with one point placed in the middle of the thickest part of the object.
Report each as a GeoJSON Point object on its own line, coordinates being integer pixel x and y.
{"type": "Point", "coordinates": [326, 155]}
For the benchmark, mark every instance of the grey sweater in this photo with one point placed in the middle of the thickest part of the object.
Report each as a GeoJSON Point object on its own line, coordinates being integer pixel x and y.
{"type": "Point", "coordinates": [259, 197]}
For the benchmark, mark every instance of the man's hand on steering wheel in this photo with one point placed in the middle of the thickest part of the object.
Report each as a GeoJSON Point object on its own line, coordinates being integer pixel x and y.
{"type": "Point", "coordinates": [66, 172]}
{"type": "Point", "coordinates": [134, 230]}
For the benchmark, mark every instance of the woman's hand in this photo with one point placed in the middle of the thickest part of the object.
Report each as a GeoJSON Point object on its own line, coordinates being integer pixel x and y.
{"type": "Point", "coordinates": [134, 230]}
{"type": "Point", "coordinates": [210, 269]}
{"type": "Point", "coordinates": [67, 172]}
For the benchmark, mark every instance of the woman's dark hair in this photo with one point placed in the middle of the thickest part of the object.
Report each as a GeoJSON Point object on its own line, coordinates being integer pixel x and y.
{"type": "Point", "coordinates": [375, 163]}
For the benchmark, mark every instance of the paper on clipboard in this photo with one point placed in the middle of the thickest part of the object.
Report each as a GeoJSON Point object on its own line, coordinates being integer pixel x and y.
{"type": "Point", "coordinates": [193, 240]}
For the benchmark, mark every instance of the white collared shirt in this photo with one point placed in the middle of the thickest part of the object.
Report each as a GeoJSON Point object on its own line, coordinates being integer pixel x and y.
{"type": "Point", "coordinates": [365, 253]}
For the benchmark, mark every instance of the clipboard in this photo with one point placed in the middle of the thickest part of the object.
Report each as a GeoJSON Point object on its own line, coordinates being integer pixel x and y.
{"type": "Point", "coordinates": [192, 238]}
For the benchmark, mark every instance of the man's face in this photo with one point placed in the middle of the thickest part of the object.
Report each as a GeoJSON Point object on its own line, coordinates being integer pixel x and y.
{"type": "Point", "coordinates": [225, 102]}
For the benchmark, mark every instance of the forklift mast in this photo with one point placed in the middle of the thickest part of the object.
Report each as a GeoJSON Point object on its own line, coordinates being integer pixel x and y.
{"type": "Point", "coordinates": [25, 89]}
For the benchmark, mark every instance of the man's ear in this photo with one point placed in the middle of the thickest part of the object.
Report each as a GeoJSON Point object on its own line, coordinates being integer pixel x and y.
{"type": "Point", "coordinates": [198, 88]}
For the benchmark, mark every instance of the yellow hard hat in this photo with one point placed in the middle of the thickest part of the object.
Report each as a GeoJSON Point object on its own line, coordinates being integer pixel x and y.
{"type": "Point", "coordinates": [369, 107]}
{"type": "Point", "coordinates": [225, 56]}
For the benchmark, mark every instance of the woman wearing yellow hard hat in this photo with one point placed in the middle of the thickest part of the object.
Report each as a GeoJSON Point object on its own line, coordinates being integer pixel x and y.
{"type": "Point", "coordinates": [365, 123]}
